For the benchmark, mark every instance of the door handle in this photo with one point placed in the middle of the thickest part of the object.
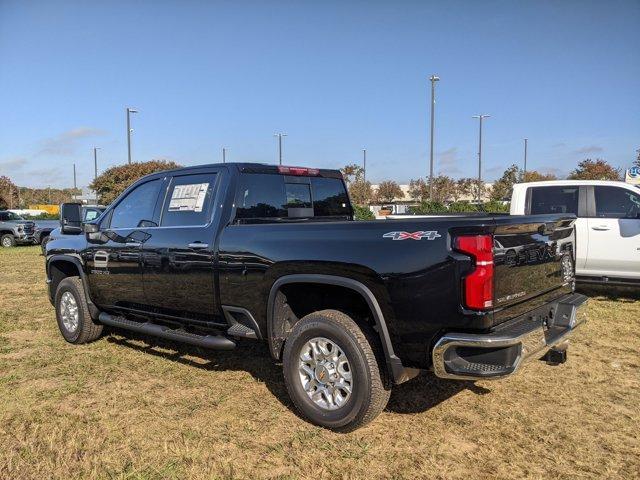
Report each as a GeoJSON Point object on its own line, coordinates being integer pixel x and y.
{"type": "Point", "coordinates": [198, 245]}
{"type": "Point", "coordinates": [600, 228]}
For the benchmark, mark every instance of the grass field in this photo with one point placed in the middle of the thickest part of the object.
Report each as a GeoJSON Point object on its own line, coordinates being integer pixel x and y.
{"type": "Point", "coordinates": [128, 407]}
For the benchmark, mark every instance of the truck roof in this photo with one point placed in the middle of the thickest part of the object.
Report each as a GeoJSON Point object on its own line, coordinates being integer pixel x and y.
{"type": "Point", "coordinates": [548, 183]}
{"type": "Point", "coordinates": [251, 167]}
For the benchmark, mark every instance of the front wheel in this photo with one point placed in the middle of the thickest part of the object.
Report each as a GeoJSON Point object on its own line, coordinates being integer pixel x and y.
{"type": "Point", "coordinates": [332, 372]}
{"type": "Point", "coordinates": [7, 240]}
{"type": "Point", "coordinates": [72, 312]}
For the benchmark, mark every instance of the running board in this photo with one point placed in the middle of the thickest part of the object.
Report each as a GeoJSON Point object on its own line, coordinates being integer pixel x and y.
{"type": "Point", "coordinates": [214, 342]}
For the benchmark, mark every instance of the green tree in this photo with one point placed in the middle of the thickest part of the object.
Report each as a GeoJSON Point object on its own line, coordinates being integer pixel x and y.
{"type": "Point", "coordinates": [462, 207]}
{"type": "Point", "coordinates": [360, 192]}
{"type": "Point", "coordinates": [115, 180]}
{"type": "Point", "coordinates": [597, 169]}
{"type": "Point", "coordinates": [418, 190]}
{"type": "Point", "coordinates": [427, 207]}
{"type": "Point", "coordinates": [534, 176]}
{"type": "Point", "coordinates": [502, 187]}
{"type": "Point", "coordinates": [463, 188]}
{"type": "Point", "coordinates": [387, 191]}
{"type": "Point", "coordinates": [363, 213]}
{"type": "Point", "coordinates": [8, 193]}
{"type": "Point", "coordinates": [352, 173]}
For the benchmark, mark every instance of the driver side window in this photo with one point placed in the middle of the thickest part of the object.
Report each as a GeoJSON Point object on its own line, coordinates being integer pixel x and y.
{"type": "Point", "coordinates": [137, 206]}
{"type": "Point", "coordinates": [616, 202]}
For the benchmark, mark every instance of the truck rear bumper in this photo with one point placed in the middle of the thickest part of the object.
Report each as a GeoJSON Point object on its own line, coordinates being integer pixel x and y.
{"type": "Point", "coordinates": [501, 352]}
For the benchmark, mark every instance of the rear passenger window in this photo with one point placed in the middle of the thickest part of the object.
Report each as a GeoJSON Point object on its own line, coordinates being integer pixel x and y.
{"type": "Point", "coordinates": [616, 202]}
{"type": "Point", "coordinates": [554, 200]}
{"type": "Point", "coordinates": [189, 201]}
{"type": "Point", "coordinates": [329, 197]}
{"type": "Point", "coordinates": [260, 196]}
{"type": "Point", "coordinates": [263, 196]}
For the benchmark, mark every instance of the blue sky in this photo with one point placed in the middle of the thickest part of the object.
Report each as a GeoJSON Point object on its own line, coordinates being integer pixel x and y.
{"type": "Point", "coordinates": [335, 76]}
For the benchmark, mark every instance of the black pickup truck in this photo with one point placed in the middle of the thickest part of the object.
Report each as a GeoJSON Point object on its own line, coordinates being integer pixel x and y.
{"type": "Point", "coordinates": [206, 255]}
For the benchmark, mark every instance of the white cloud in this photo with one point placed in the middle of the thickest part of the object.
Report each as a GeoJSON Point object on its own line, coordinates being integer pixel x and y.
{"type": "Point", "coordinates": [588, 150]}
{"type": "Point", "coordinates": [11, 164]}
{"type": "Point", "coordinates": [66, 142]}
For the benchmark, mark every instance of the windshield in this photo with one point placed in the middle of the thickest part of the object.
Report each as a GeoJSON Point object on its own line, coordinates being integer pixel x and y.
{"type": "Point", "coordinates": [8, 216]}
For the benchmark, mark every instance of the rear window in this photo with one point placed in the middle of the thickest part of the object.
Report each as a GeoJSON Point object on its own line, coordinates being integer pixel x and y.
{"type": "Point", "coordinates": [329, 197]}
{"type": "Point", "coordinates": [263, 196]}
{"type": "Point", "coordinates": [554, 200]}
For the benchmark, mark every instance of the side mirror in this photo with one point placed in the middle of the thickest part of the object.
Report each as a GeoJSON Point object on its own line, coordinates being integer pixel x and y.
{"type": "Point", "coordinates": [71, 218]}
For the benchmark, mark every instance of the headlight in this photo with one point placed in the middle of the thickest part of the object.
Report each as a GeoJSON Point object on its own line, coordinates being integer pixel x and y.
{"type": "Point", "coordinates": [20, 228]}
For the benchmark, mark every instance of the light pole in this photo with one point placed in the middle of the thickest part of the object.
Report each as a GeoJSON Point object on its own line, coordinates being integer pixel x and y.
{"type": "Point", "coordinates": [524, 175]}
{"type": "Point", "coordinates": [480, 117]}
{"type": "Point", "coordinates": [433, 79]}
{"type": "Point", "coordinates": [75, 187]}
{"type": "Point", "coordinates": [129, 130]}
{"type": "Point", "coordinates": [224, 154]}
{"type": "Point", "coordinates": [95, 162]}
{"type": "Point", "coordinates": [364, 163]}
{"type": "Point", "coordinates": [280, 135]}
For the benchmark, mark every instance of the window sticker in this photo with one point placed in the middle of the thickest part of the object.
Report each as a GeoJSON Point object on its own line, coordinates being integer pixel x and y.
{"type": "Point", "coordinates": [188, 198]}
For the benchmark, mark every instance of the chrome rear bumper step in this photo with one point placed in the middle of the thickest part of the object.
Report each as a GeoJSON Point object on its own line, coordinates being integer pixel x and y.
{"type": "Point", "coordinates": [501, 352]}
{"type": "Point", "coordinates": [213, 342]}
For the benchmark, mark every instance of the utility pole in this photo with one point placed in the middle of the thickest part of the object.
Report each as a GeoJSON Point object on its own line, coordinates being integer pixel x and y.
{"type": "Point", "coordinates": [224, 155]}
{"type": "Point", "coordinates": [525, 161]}
{"type": "Point", "coordinates": [129, 130]}
{"type": "Point", "coordinates": [364, 163]}
{"type": "Point", "coordinates": [480, 117]}
{"type": "Point", "coordinates": [75, 185]}
{"type": "Point", "coordinates": [433, 79]}
{"type": "Point", "coordinates": [95, 162]}
{"type": "Point", "coordinates": [280, 135]}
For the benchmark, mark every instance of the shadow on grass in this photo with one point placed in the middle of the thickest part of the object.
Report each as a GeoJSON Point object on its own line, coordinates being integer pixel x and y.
{"type": "Point", "coordinates": [617, 293]}
{"type": "Point", "coordinates": [417, 395]}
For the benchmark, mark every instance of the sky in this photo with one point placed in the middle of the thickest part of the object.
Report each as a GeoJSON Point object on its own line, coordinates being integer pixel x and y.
{"type": "Point", "coordinates": [335, 76]}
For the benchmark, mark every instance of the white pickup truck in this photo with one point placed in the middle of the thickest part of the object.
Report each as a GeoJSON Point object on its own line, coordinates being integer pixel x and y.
{"type": "Point", "coordinates": [607, 229]}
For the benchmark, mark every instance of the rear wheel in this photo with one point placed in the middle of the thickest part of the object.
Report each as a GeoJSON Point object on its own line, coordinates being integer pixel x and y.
{"type": "Point", "coordinates": [7, 240]}
{"type": "Point", "coordinates": [332, 372]}
{"type": "Point", "coordinates": [72, 312]}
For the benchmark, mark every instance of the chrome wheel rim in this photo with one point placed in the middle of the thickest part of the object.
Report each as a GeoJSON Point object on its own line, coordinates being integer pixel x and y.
{"type": "Point", "coordinates": [69, 312]}
{"type": "Point", "coordinates": [6, 242]}
{"type": "Point", "coordinates": [325, 373]}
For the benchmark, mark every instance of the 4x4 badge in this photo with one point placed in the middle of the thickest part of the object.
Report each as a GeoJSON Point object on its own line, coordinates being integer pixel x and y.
{"type": "Point", "coordinates": [429, 235]}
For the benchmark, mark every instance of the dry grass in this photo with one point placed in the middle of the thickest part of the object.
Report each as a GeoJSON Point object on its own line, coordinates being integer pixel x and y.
{"type": "Point", "coordinates": [125, 408]}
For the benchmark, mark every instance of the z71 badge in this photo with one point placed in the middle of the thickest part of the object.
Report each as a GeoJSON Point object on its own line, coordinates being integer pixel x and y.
{"type": "Point", "coordinates": [430, 235]}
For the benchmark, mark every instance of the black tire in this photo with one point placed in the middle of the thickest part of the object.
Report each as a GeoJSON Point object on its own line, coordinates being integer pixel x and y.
{"type": "Point", "coordinates": [369, 395]}
{"type": "Point", "coordinates": [86, 330]}
{"type": "Point", "coordinates": [7, 240]}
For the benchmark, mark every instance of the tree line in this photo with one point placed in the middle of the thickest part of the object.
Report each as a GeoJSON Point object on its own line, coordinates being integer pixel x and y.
{"type": "Point", "coordinates": [445, 190]}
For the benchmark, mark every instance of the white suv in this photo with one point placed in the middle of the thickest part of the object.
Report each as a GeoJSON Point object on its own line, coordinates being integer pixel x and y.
{"type": "Point", "coordinates": [607, 229]}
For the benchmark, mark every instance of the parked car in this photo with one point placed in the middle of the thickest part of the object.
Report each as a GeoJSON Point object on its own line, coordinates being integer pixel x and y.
{"type": "Point", "coordinates": [206, 255]}
{"type": "Point", "coordinates": [89, 212]}
{"type": "Point", "coordinates": [15, 230]}
{"type": "Point", "coordinates": [607, 229]}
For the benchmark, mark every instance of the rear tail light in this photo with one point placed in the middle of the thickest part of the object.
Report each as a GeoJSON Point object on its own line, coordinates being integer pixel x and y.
{"type": "Point", "coordinates": [298, 171]}
{"type": "Point", "coordinates": [478, 285]}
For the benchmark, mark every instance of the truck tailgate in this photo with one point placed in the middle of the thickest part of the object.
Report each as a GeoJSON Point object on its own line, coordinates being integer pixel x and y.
{"type": "Point", "coordinates": [533, 261]}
